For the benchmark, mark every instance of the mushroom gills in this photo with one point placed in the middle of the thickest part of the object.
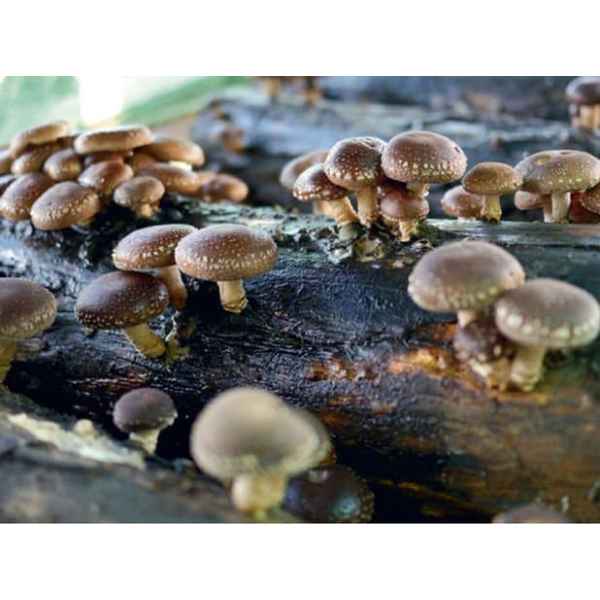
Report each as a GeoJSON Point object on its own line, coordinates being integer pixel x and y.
{"type": "Point", "coordinates": [145, 340]}
{"type": "Point", "coordinates": [233, 295]}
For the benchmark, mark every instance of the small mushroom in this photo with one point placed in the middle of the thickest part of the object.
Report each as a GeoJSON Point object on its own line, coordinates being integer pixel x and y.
{"type": "Point", "coordinates": [223, 187]}
{"type": "Point", "coordinates": [491, 180]}
{"type": "Point", "coordinates": [250, 439]}
{"type": "Point", "coordinates": [63, 165]}
{"type": "Point", "coordinates": [168, 149]}
{"type": "Point", "coordinates": [26, 309]}
{"type": "Point", "coordinates": [295, 167]}
{"type": "Point", "coordinates": [144, 413]}
{"type": "Point", "coordinates": [153, 249]}
{"type": "Point", "coordinates": [33, 159]}
{"type": "Point", "coordinates": [559, 172]}
{"type": "Point", "coordinates": [18, 198]}
{"type": "Point", "coordinates": [531, 513]}
{"type": "Point", "coordinates": [333, 494]}
{"type": "Point", "coordinates": [583, 95]}
{"type": "Point", "coordinates": [420, 158]}
{"type": "Point", "coordinates": [5, 161]}
{"type": "Point", "coordinates": [355, 165]}
{"type": "Point", "coordinates": [528, 201]}
{"type": "Point", "coordinates": [227, 254]}
{"type": "Point", "coordinates": [174, 178]}
{"type": "Point", "coordinates": [544, 314]}
{"type": "Point", "coordinates": [401, 210]}
{"type": "Point", "coordinates": [37, 136]}
{"type": "Point", "coordinates": [465, 278]}
{"type": "Point", "coordinates": [114, 139]}
{"type": "Point", "coordinates": [459, 203]}
{"type": "Point", "coordinates": [105, 176]}
{"type": "Point", "coordinates": [125, 301]}
{"type": "Point", "coordinates": [64, 205]}
{"type": "Point", "coordinates": [141, 194]}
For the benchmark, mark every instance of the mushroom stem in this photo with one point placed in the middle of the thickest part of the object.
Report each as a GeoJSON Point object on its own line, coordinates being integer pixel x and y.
{"type": "Point", "coordinates": [342, 211]}
{"type": "Point", "coordinates": [492, 211]}
{"type": "Point", "coordinates": [560, 206]}
{"type": "Point", "coordinates": [418, 189]}
{"type": "Point", "coordinates": [466, 316]}
{"type": "Point", "coordinates": [145, 340]}
{"type": "Point", "coordinates": [147, 439]}
{"type": "Point", "coordinates": [256, 493]}
{"type": "Point", "coordinates": [548, 212]}
{"type": "Point", "coordinates": [8, 350]}
{"type": "Point", "coordinates": [586, 116]}
{"type": "Point", "coordinates": [233, 295]}
{"type": "Point", "coordinates": [527, 367]}
{"type": "Point", "coordinates": [367, 206]}
{"type": "Point", "coordinates": [177, 290]}
{"type": "Point", "coordinates": [596, 113]}
{"type": "Point", "coordinates": [407, 229]}
{"type": "Point", "coordinates": [146, 211]}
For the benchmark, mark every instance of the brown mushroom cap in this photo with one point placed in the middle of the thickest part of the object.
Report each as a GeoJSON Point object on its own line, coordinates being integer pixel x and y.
{"type": "Point", "coordinates": [226, 253]}
{"type": "Point", "coordinates": [96, 157]}
{"type": "Point", "coordinates": [559, 171]}
{"type": "Point", "coordinates": [63, 205]}
{"type": "Point", "coordinates": [63, 165]}
{"type": "Point", "coordinates": [463, 275]}
{"type": "Point", "coordinates": [397, 202]}
{"type": "Point", "coordinates": [117, 139]}
{"type": "Point", "coordinates": [584, 90]}
{"type": "Point", "coordinates": [294, 168]}
{"type": "Point", "coordinates": [105, 176]}
{"type": "Point", "coordinates": [355, 163]}
{"type": "Point", "coordinates": [42, 134]}
{"type": "Point", "coordinates": [548, 313]}
{"type": "Point", "coordinates": [33, 160]}
{"type": "Point", "coordinates": [17, 200]}
{"type": "Point", "coordinates": [313, 185]}
{"type": "Point", "coordinates": [529, 201]}
{"type": "Point", "coordinates": [5, 181]}
{"type": "Point", "coordinates": [480, 340]}
{"type": "Point", "coordinates": [174, 178]}
{"type": "Point", "coordinates": [150, 247]}
{"type": "Point", "coordinates": [223, 187]}
{"type": "Point", "coordinates": [139, 191]}
{"type": "Point", "coordinates": [492, 178]}
{"type": "Point", "coordinates": [166, 149]}
{"type": "Point", "coordinates": [457, 202]}
{"type": "Point", "coordinates": [423, 156]}
{"type": "Point", "coordinates": [121, 299]}
{"type": "Point", "coordinates": [140, 160]}
{"type": "Point", "coordinates": [26, 309]}
{"type": "Point", "coordinates": [144, 409]}
{"type": "Point", "coordinates": [248, 430]}
{"type": "Point", "coordinates": [5, 161]}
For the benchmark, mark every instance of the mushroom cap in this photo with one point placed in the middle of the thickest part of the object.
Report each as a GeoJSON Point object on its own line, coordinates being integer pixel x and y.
{"type": "Point", "coordinates": [144, 409]}
{"type": "Point", "coordinates": [355, 163]}
{"type": "Point", "coordinates": [121, 299]}
{"type": "Point", "coordinates": [138, 191]}
{"type": "Point", "coordinates": [33, 159]}
{"type": "Point", "coordinates": [331, 494]}
{"type": "Point", "coordinates": [313, 184]}
{"type": "Point", "coordinates": [248, 430]}
{"type": "Point", "coordinates": [457, 202]}
{"type": "Point", "coordinates": [223, 187]}
{"type": "Point", "coordinates": [397, 202]}
{"type": "Point", "coordinates": [480, 340]}
{"type": "Point", "coordinates": [63, 205]}
{"type": "Point", "coordinates": [559, 171]}
{"type": "Point", "coordinates": [531, 513]}
{"type": "Point", "coordinates": [464, 275]}
{"type": "Point", "coordinates": [584, 90]}
{"type": "Point", "coordinates": [42, 134]}
{"type": "Point", "coordinates": [165, 148]}
{"type": "Point", "coordinates": [5, 161]}
{"type": "Point", "coordinates": [492, 178]}
{"type": "Point", "coordinates": [174, 178]}
{"type": "Point", "coordinates": [5, 181]}
{"type": "Point", "coordinates": [295, 167]}
{"type": "Point", "coordinates": [96, 157]}
{"type": "Point", "coordinates": [150, 247]}
{"type": "Point", "coordinates": [140, 160]}
{"type": "Point", "coordinates": [105, 176]}
{"type": "Point", "coordinates": [529, 201]}
{"type": "Point", "coordinates": [18, 198]}
{"type": "Point", "coordinates": [548, 313]}
{"type": "Point", "coordinates": [63, 165]}
{"type": "Point", "coordinates": [226, 253]}
{"type": "Point", "coordinates": [424, 157]}
{"type": "Point", "coordinates": [590, 199]}
{"type": "Point", "coordinates": [26, 309]}
{"type": "Point", "coordinates": [118, 139]}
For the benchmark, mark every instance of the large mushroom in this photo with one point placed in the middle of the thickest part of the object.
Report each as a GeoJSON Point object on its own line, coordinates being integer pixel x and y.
{"type": "Point", "coordinates": [544, 314]}
{"type": "Point", "coordinates": [583, 95]}
{"type": "Point", "coordinates": [401, 210]}
{"type": "Point", "coordinates": [33, 159]}
{"type": "Point", "coordinates": [465, 278]}
{"type": "Point", "coordinates": [250, 439]}
{"type": "Point", "coordinates": [105, 176]}
{"type": "Point", "coordinates": [125, 301]}
{"type": "Point", "coordinates": [37, 136]}
{"type": "Point", "coordinates": [153, 249]}
{"type": "Point", "coordinates": [558, 173]}
{"type": "Point", "coordinates": [459, 203]}
{"type": "Point", "coordinates": [141, 194]}
{"type": "Point", "coordinates": [227, 254]}
{"type": "Point", "coordinates": [20, 195]}
{"type": "Point", "coordinates": [26, 309]}
{"type": "Point", "coordinates": [167, 149]}
{"type": "Point", "coordinates": [114, 139]}
{"type": "Point", "coordinates": [63, 165]}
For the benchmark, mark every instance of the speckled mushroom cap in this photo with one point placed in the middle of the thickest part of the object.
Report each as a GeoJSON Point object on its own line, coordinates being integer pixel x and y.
{"type": "Point", "coordinates": [226, 253]}
{"type": "Point", "coordinates": [138, 191]}
{"type": "Point", "coordinates": [223, 187]}
{"type": "Point", "coordinates": [166, 148]}
{"type": "Point", "coordinates": [480, 340]}
{"type": "Point", "coordinates": [121, 299]}
{"type": "Point", "coordinates": [457, 202]}
{"type": "Point", "coordinates": [248, 430]}
{"type": "Point", "coordinates": [590, 199]}
{"type": "Point", "coordinates": [63, 165]}
{"type": "Point", "coordinates": [294, 168]}
{"type": "Point", "coordinates": [397, 202]}
{"type": "Point", "coordinates": [584, 90]}
{"type": "Point", "coordinates": [20, 195]}
{"type": "Point", "coordinates": [424, 157]}
{"type": "Point", "coordinates": [144, 409]}
{"type": "Point", "coordinates": [174, 178]}
{"type": "Point", "coordinates": [105, 176]}
{"type": "Point", "coordinates": [33, 159]}
{"type": "Point", "coordinates": [548, 313]}
{"type": "Point", "coordinates": [313, 184]}
{"type": "Point", "coordinates": [493, 178]}
{"type": "Point", "coordinates": [96, 157]}
{"type": "Point", "coordinates": [118, 139]}
{"type": "Point", "coordinates": [355, 163]}
{"type": "Point", "coordinates": [559, 171]}
{"type": "Point", "coordinates": [5, 181]}
{"type": "Point", "coordinates": [42, 134]}
{"type": "Point", "coordinates": [463, 275]}
{"type": "Point", "coordinates": [529, 201]}
{"type": "Point", "coordinates": [26, 309]}
{"type": "Point", "coordinates": [63, 205]}
{"type": "Point", "coordinates": [151, 247]}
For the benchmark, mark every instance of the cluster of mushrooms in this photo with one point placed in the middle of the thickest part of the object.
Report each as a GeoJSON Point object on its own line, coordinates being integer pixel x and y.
{"type": "Point", "coordinates": [60, 179]}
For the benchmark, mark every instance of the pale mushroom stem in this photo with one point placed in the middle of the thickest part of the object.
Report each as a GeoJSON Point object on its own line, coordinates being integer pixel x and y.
{"type": "Point", "coordinates": [548, 212]}
{"type": "Point", "coordinates": [408, 229]}
{"type": "Point", "coordinates": [147, 440]}
{"type": "Point", "coordinates": [146, 210]}
{"type": "Point", "coordinates": [145, 340]}
{"type": "Point", "coordinates": [586, 117]}
{"type": "Point", "coordinates": [465, 317]}
{"type": "Point", "coordinates": [527, 367]}
{"type": "Point", "coordinates": [233, 295]}
{"type": "Point", "coordinates": [596, 116]}
{"type": "Point", "coordinates": [419, 189]}
{"type": "Point", "coordinates": [367, 206]}
{"type": "Point", "coordinates": [257, 493]}
{"type": "Point", "coordinates": [560, 206]}
{"type": "Point", "coordinates": [177, 290]}
{"type": "Point", "coordinates": [492, 211]}
{"type": "Point", "coordinates": [319, 207]}
{"type": "Point", "coordinates": [7, 353]}
{"type": "Point", "coordinates": [342, 212]}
